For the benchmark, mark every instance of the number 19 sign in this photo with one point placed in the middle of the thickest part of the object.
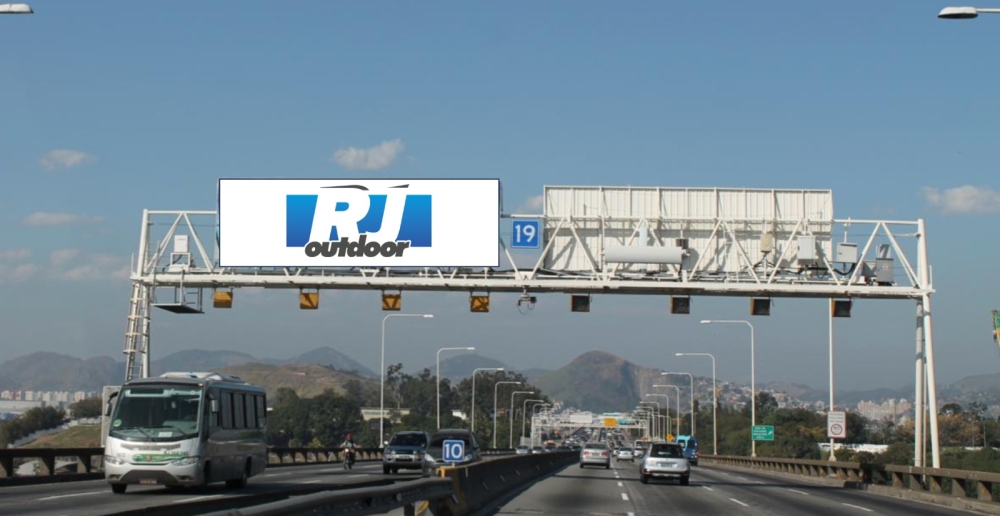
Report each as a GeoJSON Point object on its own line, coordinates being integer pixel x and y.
{"type": "Point", "coordinates": [524, 234]}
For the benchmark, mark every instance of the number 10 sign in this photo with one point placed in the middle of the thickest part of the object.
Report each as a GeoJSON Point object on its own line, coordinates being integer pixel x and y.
{"type": "Point", "coordinates": [524, 234]}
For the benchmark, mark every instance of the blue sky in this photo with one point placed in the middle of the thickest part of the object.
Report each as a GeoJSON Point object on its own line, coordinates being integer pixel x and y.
{"type": "Point", "coordinates": [112, 107]}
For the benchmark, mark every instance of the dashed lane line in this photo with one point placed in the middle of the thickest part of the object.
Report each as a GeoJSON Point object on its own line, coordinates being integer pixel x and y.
{"type": "Point", "coordinates": [206, 497]}
{"type": "Point", "coordinates": [56, 497]}
{"type": "Point", "coordinates": [739, 502]}
{"type": "Point", "coordinates": [624, 497]}
{"type": "Point", "coordinates": [803, 493]}
{"type": "Point", "coordinates": [858, 507]}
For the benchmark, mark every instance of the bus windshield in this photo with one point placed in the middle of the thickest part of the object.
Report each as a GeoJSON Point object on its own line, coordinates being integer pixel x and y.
{"type": "Point", "coordinates": [157, 413]}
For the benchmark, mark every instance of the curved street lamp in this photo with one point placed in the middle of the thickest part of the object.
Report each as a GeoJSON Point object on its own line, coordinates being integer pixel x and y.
{"type": "Point", "coordinates": [964, 13]}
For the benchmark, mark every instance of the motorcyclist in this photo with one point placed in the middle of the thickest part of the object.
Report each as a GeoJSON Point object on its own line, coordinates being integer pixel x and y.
{"type": "Point", "coordinates": [349, 447]}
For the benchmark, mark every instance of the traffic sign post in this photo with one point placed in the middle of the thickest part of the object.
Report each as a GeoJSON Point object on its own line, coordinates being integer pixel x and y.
{"type": "Point", "coordinates": [836, 425]}
{"type": "Point", "coordinates": [763, 433]}
{"type": "Point", "coordinates": [524, 234]}
{"type": "Point", "coordinates": [453, 450]}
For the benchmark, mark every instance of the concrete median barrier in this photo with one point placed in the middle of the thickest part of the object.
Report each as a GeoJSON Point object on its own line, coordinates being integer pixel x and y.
{"type": "Point", "coordinates": [475, 486]}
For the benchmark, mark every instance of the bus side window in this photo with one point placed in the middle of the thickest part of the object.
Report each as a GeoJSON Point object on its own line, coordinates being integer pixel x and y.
{"type": "Point", "coordinates": [251, 416]}
{"type": "Point", "coordinates": [261, 410]}
{"type": "Point", "coordinates": [227, 410]}
{"type": "Point", "coordinates": [239, 421]}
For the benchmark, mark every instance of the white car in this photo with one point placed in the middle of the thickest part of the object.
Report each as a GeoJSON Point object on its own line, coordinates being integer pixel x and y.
{"type": "Point", "coordinates": [595, 454]}
{"type": "Point", "coordinates": [665, 460]}
{"type": "Point", "coordinates": [624, 454]}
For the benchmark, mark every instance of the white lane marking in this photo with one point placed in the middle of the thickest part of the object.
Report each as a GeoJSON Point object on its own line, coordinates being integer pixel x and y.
{"type": "Point", "coordinates": [706, 487]}
{"type": "Point", "coordinates": [356, 476]}
{"type": "Point", "coordinates": [275, 474]}
{"type": "Point", "coordinates": [624, 497]}
{"type": "Point", "coordinates": [619, 484]}
{"type": "Point", "coordinates": [629, 514]}
{"type": "Point", "coordinates": [858, 507]}
{"type": "Point", "coordinates": [55, 497]}
{"type": "Point", "coordinates": [197, 498]}
{"type": "Point", "coordinates": [313, 482]}
{"type": "Point", "coordinates": [743, 478]}
{"type": "Point", "coordinates": [800, 492]}
{"type": "Point", "coordinates": [739, 502]}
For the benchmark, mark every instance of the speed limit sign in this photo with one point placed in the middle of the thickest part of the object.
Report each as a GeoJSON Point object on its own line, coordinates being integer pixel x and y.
{"type": "Point", "coordinates": [836, 425]}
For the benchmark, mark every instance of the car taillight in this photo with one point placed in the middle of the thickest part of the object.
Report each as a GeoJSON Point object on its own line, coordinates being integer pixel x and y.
{"type": "Point", "coordinates": [604, 454]}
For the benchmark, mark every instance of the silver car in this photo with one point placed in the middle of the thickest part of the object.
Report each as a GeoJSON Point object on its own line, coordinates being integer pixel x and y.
{"type": "Point", "coordinates": [665, 460]}
{"type": "Point", "coordinates": [595, 454]}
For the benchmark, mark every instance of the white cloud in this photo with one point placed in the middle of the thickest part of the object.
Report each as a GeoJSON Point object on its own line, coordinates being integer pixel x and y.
{"type": "Point", "coordinates": [65, 159]}
{"type": "Point", "coordinates": [63, 256]}
{"type": "Point", "coordinates": [10, 274]}
{"type": "Point", "coordinates": [49, 218]}
{"type": "Point", "coordinates": [532, 205]}
{"type": "Point", "coordinates": [79, 267]}
{"type": "Point", "coordinates": [374, 158]}
{"type": "Point", "coordinates": [15, 255]}
{"type": "Point", "coordinates": [963, 200]}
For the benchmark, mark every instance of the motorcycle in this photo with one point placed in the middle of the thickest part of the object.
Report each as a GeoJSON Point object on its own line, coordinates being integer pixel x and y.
{"type": "Point", "coordinates": [348, 458]}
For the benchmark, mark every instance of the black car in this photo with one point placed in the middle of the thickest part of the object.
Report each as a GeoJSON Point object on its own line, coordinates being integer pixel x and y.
{"type": "Point", "coordinates": [404, 451]}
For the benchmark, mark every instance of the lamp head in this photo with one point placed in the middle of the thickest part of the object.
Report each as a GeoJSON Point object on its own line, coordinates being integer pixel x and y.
{"type": "Point", "coordinates": [958, 13]}
{"type": "Point", "coordinates": [428, 316]}
{"type": "Point", "coordinates": [679, 354]}
{"type": "Point", "coordinates": [470, 349]}
{"type": "Point", "coordinates": [706, 321]}
{"type": "Point", "coordinates": [16, 9]}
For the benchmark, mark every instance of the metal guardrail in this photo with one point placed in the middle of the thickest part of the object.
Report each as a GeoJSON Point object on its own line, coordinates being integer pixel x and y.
{"type": "Point", "coordinates": [87, 463]}
{"type": "Point", "coordinates": [943, 485]}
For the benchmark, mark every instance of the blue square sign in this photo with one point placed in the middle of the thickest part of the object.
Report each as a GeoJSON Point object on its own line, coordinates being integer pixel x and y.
{"type": "Point", "coordinates": [524, 234]}
{"type": "Point", "coordinates": [453, 450]}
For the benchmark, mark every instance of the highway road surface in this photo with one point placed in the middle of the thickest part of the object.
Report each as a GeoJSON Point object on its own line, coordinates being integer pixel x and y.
{"type": "Point", "coordinates": [95, 497]}
{"type": "Point", "coordinates": [712, 491]}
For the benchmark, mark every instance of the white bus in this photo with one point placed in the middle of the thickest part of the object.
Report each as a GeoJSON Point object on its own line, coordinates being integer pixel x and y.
{"type": "Point", "coordinates": [185, 429]}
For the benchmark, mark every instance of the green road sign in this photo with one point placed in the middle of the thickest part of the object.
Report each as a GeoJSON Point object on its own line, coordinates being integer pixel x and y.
{"type": "Point", "coordinates": [763, 433]}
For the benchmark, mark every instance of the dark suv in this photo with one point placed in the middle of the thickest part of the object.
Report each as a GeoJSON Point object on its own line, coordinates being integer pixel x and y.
{"type": "Point", "coordinates": [404, 451]}
{"type": "Point", "coordinates": [433, 456]}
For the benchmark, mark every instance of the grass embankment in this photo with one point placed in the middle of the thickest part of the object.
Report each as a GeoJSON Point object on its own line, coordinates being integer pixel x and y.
{"type": "Point", "coordinates": [82, 436]}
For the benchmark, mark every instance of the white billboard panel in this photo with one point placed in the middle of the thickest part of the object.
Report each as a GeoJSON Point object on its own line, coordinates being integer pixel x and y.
{"type": "Point", "coordinates": [359, 222]}
{"type": "Point", "coordinates": [684, 221]}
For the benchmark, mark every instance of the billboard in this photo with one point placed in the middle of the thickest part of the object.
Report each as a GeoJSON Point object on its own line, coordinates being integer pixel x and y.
{"type": "Point", "coordinates": [359, 222]}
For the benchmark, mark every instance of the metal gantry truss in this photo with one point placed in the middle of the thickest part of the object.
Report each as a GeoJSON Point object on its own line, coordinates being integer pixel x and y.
{"type": "Point", "coordinates": [734, 243]}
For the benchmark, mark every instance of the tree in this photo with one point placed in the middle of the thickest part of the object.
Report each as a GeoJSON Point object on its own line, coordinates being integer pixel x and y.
{"type": "Point", "coordinates": [86, 408]}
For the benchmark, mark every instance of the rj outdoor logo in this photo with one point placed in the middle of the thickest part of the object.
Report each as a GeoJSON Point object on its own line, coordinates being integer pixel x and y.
{"type": "Point", "coordinates": [349, 221]}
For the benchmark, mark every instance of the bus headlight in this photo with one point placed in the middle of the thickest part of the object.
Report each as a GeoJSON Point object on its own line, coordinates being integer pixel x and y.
{"type": "Point", "coordinates": [114, 461]}
{"type": "Point", "coordinates": [186, 461]}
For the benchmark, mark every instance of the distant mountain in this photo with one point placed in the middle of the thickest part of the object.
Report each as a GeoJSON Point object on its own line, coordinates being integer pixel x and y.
{"type": "Point", "coordinates": [200, 360]}
{"type": "Point", "coordinates": [46, 371]}
{"type": "Point", "coordinates": [533, 373]}
{"type": "Point", "coordinates": [306, 380]}
{"type": "Point", "coordinates": [599, 382]}
{"type": "Point", "coordinates": [797, 391]}
{"type": "Point", "coordinates": [461, 366]}
{"type": "Point", "coordinates": [328, 356]}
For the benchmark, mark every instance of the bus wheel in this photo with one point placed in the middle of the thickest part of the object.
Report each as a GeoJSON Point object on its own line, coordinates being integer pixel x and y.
{"type": "Point", "coordinates": [118, 488]}
{"type": "Point", "coordinates": [241, 482]}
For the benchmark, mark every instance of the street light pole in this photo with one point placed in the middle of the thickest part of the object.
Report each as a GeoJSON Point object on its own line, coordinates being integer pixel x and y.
{"type": "Point", "coordinates": [381, 387]}
{"type": "Point", "coordinates": [715, 400]}
{"type": "Point", "coordinates": [439, 379]}
{"type": "Point", "coordinates": [496, 392]}
{"type": "Point", "coordinates": [510, 437]}
{"type": "Point", "coordinates": [666, 415]}
{"type": "Point", "coordinates": [472, 414]}
{"type": "Point", "coordinates": [677, 407]}
{"type": "Point", "coordinates": [691, 376]}
{"type": "Point", "coordinates": [524, 412]}
{"type": "Point", "coordinates": [533, 407]}
{"type": "Point", "coordinates": [753, 380]}
{"type": "Point", "coordinates": [656, 416]}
